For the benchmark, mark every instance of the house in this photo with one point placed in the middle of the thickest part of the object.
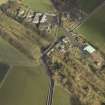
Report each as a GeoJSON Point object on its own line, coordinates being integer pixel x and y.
{"type": "Point", "coordinates": [29, 16]}
{"type": "Point", "coordinates": [36, 19]}
{"type": "Point", "coordinates": [44, 19]}
{"type": "Point", "coordinates": [65, 40]}
{"type": "Point", "coordinates": [21, 12]}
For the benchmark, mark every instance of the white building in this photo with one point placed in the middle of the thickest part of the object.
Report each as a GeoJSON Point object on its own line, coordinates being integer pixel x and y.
{"type": "Point", "coordinates": [89, 49]}
{"type": "Point", "coordinates": [44, 19]}
{"type": "Point", "coordinates": [65, 40]}
{"type": "Point", "coordinates": [36, 18]}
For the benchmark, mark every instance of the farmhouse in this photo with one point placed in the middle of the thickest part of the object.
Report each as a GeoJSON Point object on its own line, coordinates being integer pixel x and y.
{"type": "Point", "coordinates": [66, 40]}
{"type": "Point", "coordinates": [43, 19]}
{"type": "Point", "coordinates": [36, 18]}
{"type": "Point", "coordinates": [29, 16]}
{"type": "Point", "coordinates": [21, 12]}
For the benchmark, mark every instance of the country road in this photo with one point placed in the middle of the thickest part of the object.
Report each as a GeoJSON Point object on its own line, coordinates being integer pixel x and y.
{"type": "Point", "coordinates": [49, 99]}
{"type": "Point", "coordinates": [51, 92]}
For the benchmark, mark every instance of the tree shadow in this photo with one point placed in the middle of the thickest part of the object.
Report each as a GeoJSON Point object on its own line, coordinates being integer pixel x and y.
{"type": "Point", "coordinates": [3, 70]}
{"type": "Point", "coordinates": [75, 100]}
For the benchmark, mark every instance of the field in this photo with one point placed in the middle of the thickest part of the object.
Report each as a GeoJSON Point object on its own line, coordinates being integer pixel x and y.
{"type": "Point", "coordinates": [25, 86]}
{"type": "Point", "coordinates": [24, 39]}
{"type": "Point", "coordinates": [89, 5]}
{"type": "Point", "coordinates": [10, 55]}
{"type": "Point", "coordinates": [94, 29]}
{"type": "Point", "coordinates": [61, 97]}
{"type": "Point", "coordinates": [2, 1]}
{"type": "Point", "coordinates": [18, 30]}
{"type": "Point", "coordinates": [26, 82]}
{"type": "Point", "coordinates": [40, 5]}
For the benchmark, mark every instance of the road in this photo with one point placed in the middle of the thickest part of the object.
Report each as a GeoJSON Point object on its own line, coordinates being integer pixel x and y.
{"type": "Point", "coordinates": [51, 82]}
{"type": "Point", "coordinates": [51, 92]}
{"type": "Point", "coordinates": [50, 47]}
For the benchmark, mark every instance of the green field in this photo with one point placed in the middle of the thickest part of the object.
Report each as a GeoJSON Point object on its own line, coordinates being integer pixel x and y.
{"type": "Point", "coordinates": [94, 29]}
{"type": "Point", "coordinates": [61, 97]}
{"type": "Point", "coordinates": [10, 55]}
{"type": "Point", "coordinates": [89, 5]}
{"type": "Point", "coordinates": [40, 5]}
{"type": "Point", "coordinates": [25, 86]}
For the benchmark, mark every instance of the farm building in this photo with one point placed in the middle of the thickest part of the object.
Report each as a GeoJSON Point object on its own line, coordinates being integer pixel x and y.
{"type": "Point", "coordinates": [89, 49]}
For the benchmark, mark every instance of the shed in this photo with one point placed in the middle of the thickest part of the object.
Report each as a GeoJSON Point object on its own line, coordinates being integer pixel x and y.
{"type": "Point", "coordinates": [89, 49]}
